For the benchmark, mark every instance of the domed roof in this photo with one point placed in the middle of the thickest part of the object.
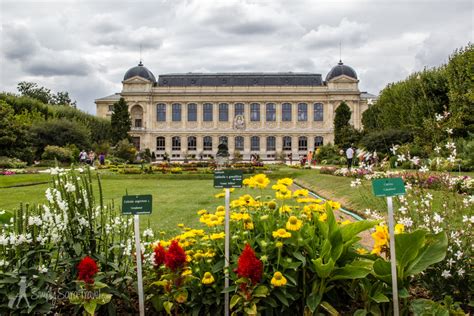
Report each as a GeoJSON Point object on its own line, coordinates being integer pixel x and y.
{"type": "Point", "coordinates": [341, 69]}
{"type": "Point", "coordinates": [140, 71]}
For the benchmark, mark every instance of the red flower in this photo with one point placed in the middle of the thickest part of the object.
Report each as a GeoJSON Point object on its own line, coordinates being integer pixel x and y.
{"type": "Point", "coordinates": [87, 270]}
{"type": "Point", "coordinates": [175, 257]}
{"type": "Point", "coordinates": [160, 255]}
{"type": "Point", "coordinates": [249, 266]}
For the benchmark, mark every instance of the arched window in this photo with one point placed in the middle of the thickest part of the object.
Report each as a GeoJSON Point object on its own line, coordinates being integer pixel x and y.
{"type": "Point", "coordinates": [161, 112]}
{"type": "Point", "coordinates": [286, 112]}
{"type": "Point", "coordinates": [302, 143]}
{"type": "Point", "coordinates": [176, 143]}
{"type": "Point", "coordinates": [176, 112]}
{"type": "Point", "coordinates": [136, 114]}
{"type": "Point", "coordinates": [192, 143]}
{"type": "Point", "coordinates": [287, 143]}
{"type": "Point", "coordinates": [318, 141]}
{"type": "Point", "coordinates": [318, 112]}
{"type": "Point", "coordinates": [271, 112]}
{"type": "Point", "coordinates": [192, 112]}
{"type": "Point", "coordinates": [207, 112]}
{"type": "Point", "coordinates": [160, 143]}
{"type": "Point", "coordinates": [207, 143]}
{"type": "Point", "coordinates": [255, 112]}
{"type": "Point", "coordinates": [255, 143]}
{"type": "Point", "coordinates": [223, 140]}
{"type": "Point", "coordinates": [239, 109]}
{"type": "Point", "coordinates": [302, 112]}
{"type": "Point", "coordinates": [271, 143]}
{"type": "Point", "coordinates": [223, 112]}
{"type": "Point", "coordinates": [239, 143]}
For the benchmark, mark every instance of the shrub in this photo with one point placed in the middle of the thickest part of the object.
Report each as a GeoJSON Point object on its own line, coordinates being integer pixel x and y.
{"type": "Point", "coordinates": [381, 141]}
{"type": "Point", "coordinates": [61, 154]}
{"type": "Point", "coordinates": [11, 163]}
{"type": "Point", "coordinates": [125, 150]}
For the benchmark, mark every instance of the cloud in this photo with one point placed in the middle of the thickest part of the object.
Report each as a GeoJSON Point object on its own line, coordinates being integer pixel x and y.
{"type": "Point", "coordinates": [17, 42]}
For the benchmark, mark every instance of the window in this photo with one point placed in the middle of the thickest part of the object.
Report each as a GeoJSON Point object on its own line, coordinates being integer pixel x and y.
{"type": "Point", "coordinates": [287, 143]}
{"type": "Point", "coordinates": [176, 112]}
{"type": "Point", "coordinates": [207, 112]}
{"type": "Point", "coordinates": [239, 143]}
{"type": "Point", "coordinates": [254, 143]}
{"type": "Point", "coordinates": [271, 143]}
{"type": "Point", "coordinates": [191, 143]}
{"type": "Point", "coordinates": [223, 112]}
{"type": "Point", "coordinates": [176, 143]}
{"type": "Point", "coordinates": [302, 143]}
{"type": "Point", "coordinates": [255, 112]}
{"type": "Point", "coordinates": [161, 112]}
{"type": "Point", "coordinates": [138, 122]}
{"type": "Point", "coordinates": [318, 111]}
{"type": "Point", "coordinates": [302, 112]}
{"type": "Point", "coordinates": [271, 112]}
{"type": "Point", "coordinates": [136, 142]}
{"type": "Point", "coordinates": [207, 143]}
{"type": "Point", "coordinates": [192, 112]}
{"type": "Point", "coordinates": [318, 141]}
{"type": "Point", "coordinates": [111, 107]}
{"type": "Point", "coordinates": [238, 109]}
{"type": "Point", "coordinates": [223, 140]}
{"type": "Point", "coordinates": [160, 143]}
{"type": "Point", "coordinates": [286, 112]}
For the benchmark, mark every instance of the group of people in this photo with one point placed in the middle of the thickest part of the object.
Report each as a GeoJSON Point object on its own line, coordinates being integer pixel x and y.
{"type": "Point", "coordinates": [89, 158]}
{"type": "Point", "coordinates": [367, 158]}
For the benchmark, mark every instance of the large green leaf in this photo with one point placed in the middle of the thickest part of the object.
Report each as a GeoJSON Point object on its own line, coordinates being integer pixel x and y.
{"type": "Point", "coordinates": [103, 298]}
{"type": "Point", "coordinates": [351, 230]}
{"type": "Point", "coordinates": [434, 251]}
{"type": "Point", "coordinates": [428, 307]}
{"type": "Point", "coordinates": [356, 270]}
{"type": "Point", "coordinates": [382, 270]}
{"type": "Point", "coordinates": [336, 244]}
{"type": "Point", "coordinates": [313, 301]}
{"type": "Point", "coordinates": [329, 308]}
{"type": "Point", "coordinates": [90, 306]}
{"type": "Point", "coordinates": [260, 291]}
{"type": "Point", "coordinates": [168, 306]}
{"type": "Point", "coordinates": [379, 297]}
{"type": "Point", "coordinates": [234, 300]}
{"type": "Point", "coordinates": [407, 246]}
{"type": "Point", "coordinates": [281, 297]}
{"type": "Point", "coordinates": [323, 269]}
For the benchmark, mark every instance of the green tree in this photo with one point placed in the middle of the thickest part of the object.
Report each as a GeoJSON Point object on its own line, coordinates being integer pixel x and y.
{"type": "Point", "coordinates": [62, 98]}
{"type": "Point", "coordinates": [32, 90]}
{"type": "Point", "coordinates": [120, 121]}
{"type": "Point", "coordinates": [125, 150]}
{"type": "Point", "coordinates": [342, 128]}
{"type": "Point", "coordinates": [371, 117]}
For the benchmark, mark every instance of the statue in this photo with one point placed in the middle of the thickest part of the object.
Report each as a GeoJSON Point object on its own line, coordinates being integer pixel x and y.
{"type": "Point", "coordinates": [239, 122]}
{"type": "Point", "coordinates": [222, 150]}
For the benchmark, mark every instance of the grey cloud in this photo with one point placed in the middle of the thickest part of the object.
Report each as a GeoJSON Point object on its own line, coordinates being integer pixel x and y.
{"type": "Point", "coordinates": [53, 68]}
{"type": "Point", "coordinates": [18, 42]}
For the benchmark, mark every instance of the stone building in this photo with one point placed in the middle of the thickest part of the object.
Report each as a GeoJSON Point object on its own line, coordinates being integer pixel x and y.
{"type": "Point", "coordinates": [267, 114]}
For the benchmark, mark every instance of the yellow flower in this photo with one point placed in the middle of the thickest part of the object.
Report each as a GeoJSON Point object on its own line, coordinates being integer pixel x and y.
{"type": "Point", "coordinates": [214, 220]}
{"type": "Point", "coordinates": [399, 228]}
{"type": "Point", "coordinates": [272, 205]}
{"type": "Point", "coordinates": [236, 216]}
{"type": "Point", "coordinates": [285, 181]}
{"type": "Point", "coordinates": [285, 209]}
{"type": "Point", "coordinates": [345, 222]}
{"type": "Point", "coordinates": [279, 187]}
{"type": "Point", "coordinates": [261, 180]}
{"type": "Point", "coordinates": [334, 205]}
{"type": "Point", "coordinates": [283, 195]}
{"type": "Point", "coordinates": [380, 238]}
{"type": "Point", "coordinates": [250, 182]}
{"type": "Point", "coordinates": [377, 249]}
{"type": "Point", "coordinates": [220, 208]}
{"type": "Point", "coordinates": [187, 271]}
{"type": "Point", "coordinates": [217, 236]}
{"type": "Point", "coordinates": [301, 192]}
{"type": "Point", "coordinates": [281, 233]}
{"type": "Point", "coordinates": [308, 200]}
{"type": "Point", "coordinates": [361, 251]}
{"type": "Point", "coordinates": [207, 279]}
{"type": "Point", "coordinates": [294, 223]}
{"type": "Point", "coordinates": [278, 279]}
{"type": "Point", "coordinates": [219, 195]}
{"type": "Point", "coordinates": [248, 224]}
{"type": "Point", "coordinates": [202, 212]}
{"type": "Point", "coordinates": [323, 217]}
{"type": "Point", "coordinates": [181, 225]}
{"type": "Point", "coordinates": [279, 244]}
{"type": "Point", "coordinates": [264, 217]}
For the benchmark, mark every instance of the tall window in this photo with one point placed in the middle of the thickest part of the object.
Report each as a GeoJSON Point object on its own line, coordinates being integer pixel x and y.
{"type": "Point", "coordinates": [176, 143]}
{"type": "Point", "coordinates": [255, 112]}
{"type": "Point", "coordinates": [176, 112]}
{"type": "Point", "coordinates": [160, 143]}
{"type": "Point", "coordinates": [138, 122]}
{"type": "Point", "coordinates": [207, 112]}
{"type": "Point", "coordinates": [318, 112]}
{"type": "Point", "coordinates": [136, 142]}
{"type": "Point", "coordinates": [191, 143]}
{"type": "Point", "coordinates": [302, 143]}
{"type": "Point", "coordinates": [207, 143]}
{"type": "Point", "coordinates": [223, 140]}
{"type": "Point", "coordinates": [161, 112]}
{"type": "Point", "coordinates": [239, 143]}
{"type": "Point", "coordinates": [223, 112]}
{"type": "Point", "coordinates": [254, 143]}
{"type": "Point", "coordinates": [192, 112]}
{"type": "Point", "coordinates": [271, 143]}
{"type": "Point", "coordinates": [318, 141]}
{"type": "Point", "coordinates": [271, 112]}
{"type": "Point", "coordinates": [302, 112]}
{"type": "Point", "coordinates": [286, 112]}
{"type": "Point", "coordinates": [239, 109]}
{"type": "Point", "coordinates": [287, 143]}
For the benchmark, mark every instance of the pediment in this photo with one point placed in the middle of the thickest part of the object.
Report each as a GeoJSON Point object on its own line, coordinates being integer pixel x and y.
{"type": "Point", "coordinates": [344, 79]}
{"type": "Point", "coordinates": [135, 80]}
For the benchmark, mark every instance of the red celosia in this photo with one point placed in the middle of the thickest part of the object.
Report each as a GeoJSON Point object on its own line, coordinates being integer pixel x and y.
{"type": "Point", "coordinates": [175, 257]}
{"type": "Point", "coordinates": [160, 255]}
{"type": "Point", "coordinates": [87, 270]}
{"type": "Point", "coordinates": [249, 266]}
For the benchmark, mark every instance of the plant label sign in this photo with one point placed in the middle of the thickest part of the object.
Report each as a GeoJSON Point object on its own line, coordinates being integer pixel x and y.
{"type": "Point", "coordinates": [228, 179]}
{"type": "Point", "coordinates": [136, 204]}
{"type": "Point", "coordinates": [388, 187]}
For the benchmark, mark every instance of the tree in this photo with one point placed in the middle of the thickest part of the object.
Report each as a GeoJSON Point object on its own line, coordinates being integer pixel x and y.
{"type": "Point", "coordinates": [342, 128]}
{"type": "Point", "coordinates": [62, 98]}
{"type": "Point", "coordinates": [371, 117]}
{"type": "Point", "coordinates": [31, 89]}
{"type": "Point", "coordinates": [120, 121]}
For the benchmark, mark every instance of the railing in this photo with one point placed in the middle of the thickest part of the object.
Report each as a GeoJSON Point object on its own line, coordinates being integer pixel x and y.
{"type": "Point", "coordinates": [138, 128]}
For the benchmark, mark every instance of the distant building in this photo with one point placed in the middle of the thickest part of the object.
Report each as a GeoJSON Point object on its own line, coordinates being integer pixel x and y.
{"type": "Point", "coordinates": [254, 113]}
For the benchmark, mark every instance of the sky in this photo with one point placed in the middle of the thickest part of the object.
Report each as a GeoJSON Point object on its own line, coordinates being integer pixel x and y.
{"type": "Point", "coordinates": [86, 46]}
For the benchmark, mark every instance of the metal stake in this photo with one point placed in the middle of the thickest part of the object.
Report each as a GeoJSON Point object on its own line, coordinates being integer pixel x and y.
{"type": "Point", "coordinates": [138, 253]}
{"type": "Point", "coordinates": [393, 258]}
{"type": "Point", "coordinates": [226, 249]}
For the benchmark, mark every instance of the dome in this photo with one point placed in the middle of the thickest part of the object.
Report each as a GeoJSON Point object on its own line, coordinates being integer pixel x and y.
{"type": "Point", "coordinates": [341, 69]}
{"type": "Point", "coordinates": [140, 71]}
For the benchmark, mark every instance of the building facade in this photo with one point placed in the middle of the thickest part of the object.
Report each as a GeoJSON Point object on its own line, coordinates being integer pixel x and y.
{"type": "Point", "coordinates": [264, 114]}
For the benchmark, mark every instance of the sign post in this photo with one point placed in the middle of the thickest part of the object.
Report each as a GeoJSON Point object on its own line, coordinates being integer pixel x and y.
{"type": "Point", "coordinates": [388, 188]}
{"type": "Point", "coordinates": [227, 179]}
{"type": "Point", "coordinates": [136, 205]}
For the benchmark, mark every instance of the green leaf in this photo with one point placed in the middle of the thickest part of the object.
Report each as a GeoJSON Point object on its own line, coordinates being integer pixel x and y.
{"type": "Point", "coordinates": [168, 306]}
{"type": "Point", "coordinates": [434, 251]}
{"type": "Point", "coordinates": [234, 300]}
{"type": "Point", "coordinates": [323, 270]}
{"type": "Point", "coordinates": [77, 249]}
{"type": "Point", "coordinates": [423, 306]}
{"type": "Point", "coordinates": [336, 245]}
{"type": "Point", "coordinates": [103, 298]}
{"type": "Point", "coordinates": [352, 271]}
{"type": "Point", "coordinates": [360, 312]}
{"type": "Point", "coordinates": [281, 297]}
{"type": "Point", "coordinates": [351, 230]}
{"type": "Point", "coordinates": [74, 298]}
{"type": "Point", "coordinates": [229, 289]}
{"type": "Point", "coordinates": [99, 285]}
{"type": "Point", "coordinates": [382, 270]}
{"type": "Point", "coordinates": [90, 307]}
{"type": "Point", "coordinates": [329, 308]}
{"type": "Point", "coordinates": [251, 310]}
{"type": "Point", "coordinates": [300, 257]}
{"type": "Point", "coordinates": [379, 297]}
{"type": "Point", "coordinates": [407, 246]}
{"type": "Point", "coordinates": [313, 301]}
{"type": "Point", "coordinates": [260, 291]}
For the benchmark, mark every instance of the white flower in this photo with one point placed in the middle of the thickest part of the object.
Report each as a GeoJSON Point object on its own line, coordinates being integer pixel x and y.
{"type": "Point", "coordinates": [401, 158]}
{"type": "Point", "coordinates": [394, 149]}
{"type": "Point", "coordinates": [451, 261]}
{"type": "Point", "coordinates": [415, 160]}
{"type": "Point", "coordinates": [450, 145]}
{"type": "Point", "coordinates": [451, 159]}
{"type": "Point", "coordinates": [406, 221]}
{"type": "Point", "coordinates": [3, 240]}
{"type": "Point", "coordinates": [461, 272]}
{"type": "Point", "coordinates": [446, 274]}
{"type": "Point", "coordinates": [437, 229]}
{"type": "Point", "coordinates": [356, 183]}
{"type": "Point", "coordinates": [3, 263]}
{"type": "Point", "coordinates": [459, 254]}
{"type": "Point", "coordinates": [43, 269]}
{"type": "Point", "coordinates": [429, 196]}
{"type": "Point", "coordinates": [49, 195]}
{"type": "Point", "coordinates": [438, 117]}
{"type": "Point", "coordinates": [148, 233]}
{"type": "Point", "coordinates": [70, 187]}
{"type": "Point", "coordinates": [2, 212]}
{"type": "Point", "coordinates": [403, 210]}
{"type": "Point", "coordinates": [437, 218]}
{"type": "Point", "coordinates": [449, 131]}
{"type": "Point", "coordinates": [465, 219]}
{"type": "Point", "coordinates": [408, 186]}
{"type": "Point", "coordinates": [34, 220]}
{"type": "Point", "coordinates": [80, 170]}
{"type": "Point", "coordinates": [437, 149]}
{"type": "Point", "coordinates": [424, 168]}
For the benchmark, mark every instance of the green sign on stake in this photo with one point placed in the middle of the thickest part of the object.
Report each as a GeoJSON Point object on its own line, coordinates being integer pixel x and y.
{"type": "Point", "coordinates": [136, 204]}
{"type": "Point", "coordinates": [228, 178]}
{"type": "Point", "coordinates": [388, 187]}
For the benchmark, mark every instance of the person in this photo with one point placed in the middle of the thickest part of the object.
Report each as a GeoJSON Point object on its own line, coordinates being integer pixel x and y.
{"type": "Point", "coordinates": [91, 157]}
{"type": "Point", "coordinates": [83, 156]}
{"type": "Point", "coordinates": [290, 157]}
{"type": "Point", "coordinates": [102, 159]}
{"type": "Point", "coordinates": [310, 158]}
{"type": "Point", "coordinates": [349, 156]}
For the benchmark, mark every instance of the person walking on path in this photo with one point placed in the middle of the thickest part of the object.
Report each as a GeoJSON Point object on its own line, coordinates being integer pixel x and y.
{"type": "Point", "coordinates": [349, 156]}
{"type": "Point", "coordinates": [310, 158]}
